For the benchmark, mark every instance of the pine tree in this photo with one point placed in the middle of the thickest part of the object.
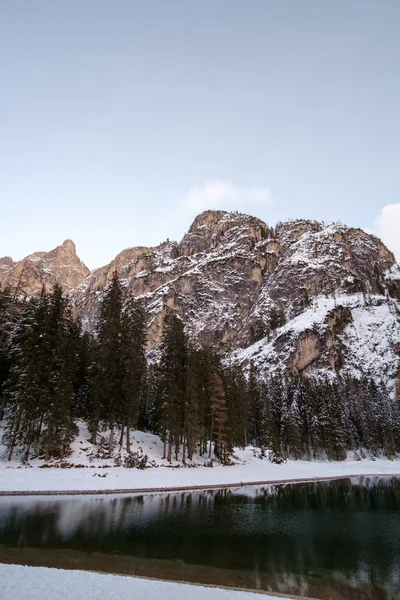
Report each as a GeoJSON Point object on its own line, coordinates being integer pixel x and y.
{"type": "Point", "coordinates": [84, 348]}
{"type": "Point", "coordinates": [192, 407]}
{"type": "Point", "coordinates": [269, 426]}
{"type": "Point", "coordinates": [28, 379]}
{"type": "Point", "coordinates": [57, 399]}
{"type": "Point", "coordinates": [276, 416]}
{"type": "Point", "coordinates": [314, 418]}
{"type": "Point", "coordinates": [40, 387]}
{"type": "Point", "coordinates": [173, 372]}
{"type": "Point", "coordinates": [293, 426]}
{"type": "Point", "coordinates": [219, 419]}
{"type": "Point", "coordinates": [255, 408]}
{"type": "Point", "coordinates": [206, 364]}
{"type": "Point", "coordinates": [107, 382]}
{"type": "Point", "coordinates": [150, 417]}
{"type": "Point", "coordinates": [349, 390]}
{"type": "Point", "coordinates": [133, 358]}
{"type": "Point", "coordinates": [6, 323]}
{"type": "Point", "coordinates": [335, 434]}
{"type": "Point", "coordinates": [371, 418]}
{"type": "Point", "coordinates": [237, 400]}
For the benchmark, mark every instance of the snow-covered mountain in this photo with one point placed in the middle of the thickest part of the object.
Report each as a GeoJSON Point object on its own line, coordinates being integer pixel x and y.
{"type": "Point", "coordinates": [303, 295]}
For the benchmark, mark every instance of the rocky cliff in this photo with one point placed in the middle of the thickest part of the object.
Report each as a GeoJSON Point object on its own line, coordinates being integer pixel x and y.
{"type": "Point", "coordinates": [28, 275]}
{"type": "Point", "coordinates": [303, 295]}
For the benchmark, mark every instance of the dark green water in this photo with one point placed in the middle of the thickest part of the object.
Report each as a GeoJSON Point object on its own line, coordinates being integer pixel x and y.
{"type": "Point", "coordinates": [338, 539]}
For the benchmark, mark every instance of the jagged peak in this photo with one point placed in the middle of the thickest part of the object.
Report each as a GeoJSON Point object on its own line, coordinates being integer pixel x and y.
{"type": "Point", "coordinates": [208, 219]}
{"type": "Point", "coordinates": [209, 228]}
{"type": "Point", "coordinates": [69, 245]}
{"type": "Point", "coordinates": [7, 260]}
{"type": "Point", "coordinates": [212, 219]}
{"type": "Point", "coordinates": [60, 265]}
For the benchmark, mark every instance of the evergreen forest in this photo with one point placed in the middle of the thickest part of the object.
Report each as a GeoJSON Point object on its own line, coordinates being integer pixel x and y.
{"type": "Point", "coordinates": [54, 374]}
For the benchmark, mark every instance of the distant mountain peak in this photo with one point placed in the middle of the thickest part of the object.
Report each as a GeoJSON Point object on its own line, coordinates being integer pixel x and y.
{"type": "Point", "coordinates": [61, 265]}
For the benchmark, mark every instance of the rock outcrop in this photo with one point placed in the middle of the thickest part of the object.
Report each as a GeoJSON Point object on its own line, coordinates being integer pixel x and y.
{"type": "Point", "coordinates": [233, 279]}
{"type": "Point", "coordinates": [28, 275]}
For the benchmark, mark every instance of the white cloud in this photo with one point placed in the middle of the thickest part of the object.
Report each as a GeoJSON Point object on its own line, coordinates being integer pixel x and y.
{"type": "Point", "coordinates": [219, 194]}
{"type": "Point", "coordinates": [387, 227]}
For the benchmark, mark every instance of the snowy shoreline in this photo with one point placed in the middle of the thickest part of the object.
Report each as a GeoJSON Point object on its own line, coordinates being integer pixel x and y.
{"type": "Point", "coordinates": [42, 583]}
{"type": "Point", "coordinates": [190, 488]}
{"type": "Point", "coordinates": [119, 480]}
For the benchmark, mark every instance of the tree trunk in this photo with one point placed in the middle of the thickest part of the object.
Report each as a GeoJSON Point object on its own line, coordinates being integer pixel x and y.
{"type": "Point", "coordinates": [2, 409]}
{"type": "Point", "coordinates": [14, 437]}
{"type": "Point", "coordinates": [10, 453]}
{"type": "Point", "coordinates": [128, 438]}
{"type": "Point", "coordinates": [93, 437]}
{"type": "Point", "coordinates": [28, 449]}
{"type": "Point", "coordinates": [211, 435]}
{"type": "Point", "coordinates": [111, 440]}
{"type": "Point", "coordinates": [184, 451]}
{"type": "Point", "coordinates": [40, 424]}
{"type": "Point", "coordinates": [169, 457]}
{"type": "Point", "coordinates": [121, 437]}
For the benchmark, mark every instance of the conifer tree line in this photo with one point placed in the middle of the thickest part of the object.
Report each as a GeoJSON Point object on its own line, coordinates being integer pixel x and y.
{"type": "Point", "coordinates": [53, 374]}
{"type": "Point", "coordinates": [309, 418]}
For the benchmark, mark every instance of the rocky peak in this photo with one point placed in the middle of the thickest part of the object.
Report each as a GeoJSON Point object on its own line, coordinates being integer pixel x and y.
{"type": "Point", "coordinates": [208, 219]}
{"type": "Point", "coordinates": [292, 230]}
{"type": "Point", "coordinates": [209, 231]}
{"type": "Point", "coordinates": [68, 246]}
{"type": "Point", "coordinates": [6, 262]}
{"type": "Point", "coordinates": [66, 253]}
{"type": "Point", "coordinates": [39, 269]}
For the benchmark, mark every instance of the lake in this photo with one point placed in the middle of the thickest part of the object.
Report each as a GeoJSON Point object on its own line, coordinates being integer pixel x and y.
{"type": "Point", "coordinates": [337, 539]}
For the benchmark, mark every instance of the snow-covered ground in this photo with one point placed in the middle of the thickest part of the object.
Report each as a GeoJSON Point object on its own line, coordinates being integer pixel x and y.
{"type": "Point", "coordinates": [84, 470]}
{"type": "Point", "coordinates": [40, 583]}
{"type": "Point", "coordinates": [255, 470]}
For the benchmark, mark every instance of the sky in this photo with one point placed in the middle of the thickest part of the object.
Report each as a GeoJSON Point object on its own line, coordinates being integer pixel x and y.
{"type": "Point", "coordinates": [120, 120]}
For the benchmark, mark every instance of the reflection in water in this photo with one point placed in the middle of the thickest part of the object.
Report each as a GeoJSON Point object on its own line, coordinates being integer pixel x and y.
{"type": "Point", "coordinates": [287, 536]}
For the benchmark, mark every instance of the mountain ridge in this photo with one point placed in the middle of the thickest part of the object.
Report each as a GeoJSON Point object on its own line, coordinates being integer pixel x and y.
{"type": "Point", "coordinates": [295, 296]}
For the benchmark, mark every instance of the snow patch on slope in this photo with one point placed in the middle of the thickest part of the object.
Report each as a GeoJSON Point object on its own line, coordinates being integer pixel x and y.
{"type": "Point", "coordinates": [371, 342]}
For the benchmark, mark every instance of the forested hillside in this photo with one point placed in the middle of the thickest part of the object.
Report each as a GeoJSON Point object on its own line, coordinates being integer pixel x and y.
{"type": "Point", "coordinates": [197, 398]}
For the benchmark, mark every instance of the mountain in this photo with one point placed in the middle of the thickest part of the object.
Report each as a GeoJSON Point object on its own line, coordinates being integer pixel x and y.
{"type": "Point", "coordinates": [304, 295]}
{"type": "Point", "coordinates": [30, 274]}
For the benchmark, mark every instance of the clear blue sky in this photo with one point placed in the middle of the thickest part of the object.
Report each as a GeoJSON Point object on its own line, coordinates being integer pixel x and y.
{"type": "Point", "coordinates": [111, 112]}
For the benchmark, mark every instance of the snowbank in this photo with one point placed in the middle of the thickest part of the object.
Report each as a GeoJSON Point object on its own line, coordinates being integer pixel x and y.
{"type": "Point", "coordinates": [120, 479]}
{"type": "Point", "coordinates": [85, 471]}
{"type": "Point", "coordinates": [40, 583]}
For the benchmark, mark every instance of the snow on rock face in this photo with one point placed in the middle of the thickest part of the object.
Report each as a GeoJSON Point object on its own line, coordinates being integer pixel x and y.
{"type": "Point", "coordinates": [322, 260]}
{"type": "Point", "coordinates": [234, 281]}
{"type": "Point", "coordinates": [347, 334]}
{"type": "Point", "coordinates": [212, 278]}
{"type": "Point", "coordinates": [231, 275]}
